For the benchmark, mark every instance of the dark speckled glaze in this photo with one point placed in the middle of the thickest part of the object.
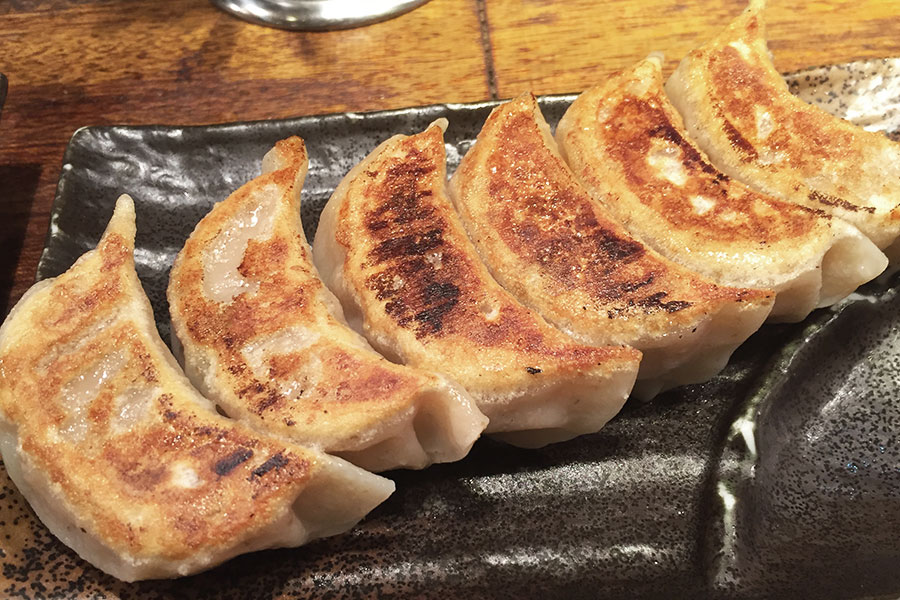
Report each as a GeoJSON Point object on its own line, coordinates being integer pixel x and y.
{"type": "Point", "coordinates": [779, 478]}
{"type": "Point", "coordinates": [3, 87]}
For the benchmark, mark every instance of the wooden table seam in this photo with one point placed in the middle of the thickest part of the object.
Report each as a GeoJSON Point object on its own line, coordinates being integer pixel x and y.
{"type": "Point", "coordinates": [487, 48]}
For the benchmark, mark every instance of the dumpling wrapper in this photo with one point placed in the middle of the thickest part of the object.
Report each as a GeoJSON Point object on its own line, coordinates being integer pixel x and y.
{"type": "Point", "coordinates": [123, 460]}
{"type": "Point", "coordinates": [263, 338]}
{"type": "Point", "coordinates": [628, 146]}
{"type": "Point", "coordinates": [739, 110]}
{"type": "Point", "coordinates": [555, 247]}
{"type": "Point", "coordinates": [391, 247]}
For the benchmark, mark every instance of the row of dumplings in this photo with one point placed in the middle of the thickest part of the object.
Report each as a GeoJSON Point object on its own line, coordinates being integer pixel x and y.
{"type": "Point", "coordinates": [528, 299]}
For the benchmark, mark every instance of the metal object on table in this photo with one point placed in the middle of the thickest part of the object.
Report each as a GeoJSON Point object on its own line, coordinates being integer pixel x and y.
{"type": "Point", "coordinates": [317, 15]}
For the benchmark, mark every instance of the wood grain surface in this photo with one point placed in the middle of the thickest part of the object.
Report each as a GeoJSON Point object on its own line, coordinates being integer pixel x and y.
{"type": "Point", "coordinates": [79, 62]}
{"type": "Point", "coordinates": [73, 63]}
{"type": "Point", "coordinates": [557, 47]}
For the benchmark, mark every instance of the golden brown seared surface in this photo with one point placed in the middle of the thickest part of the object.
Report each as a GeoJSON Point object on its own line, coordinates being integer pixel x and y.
{"type": "Point", "coordinates": [629, 122]}
{"type": "Point", "coordinates": [628, 146]}
{"type": "Point", "coordinates": [743, 115]}
{"type": "Point", "coordinates": [101, 411]}
{"type": "Point", "coordinates": [413, 268]}
{"type": "Point", "coordinates": [281, 357]}
{"type": "Point", "coordinates": [743, 87]}
{"type": "Point", "coordinates": [555, 247]}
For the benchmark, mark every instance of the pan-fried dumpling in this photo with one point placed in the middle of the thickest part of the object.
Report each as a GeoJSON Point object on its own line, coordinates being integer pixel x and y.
{"type": "Point", "coordinates": [123, 460]}
{"type": "Point", "coordinates": [629, 148]}
{"type": "Point", "coordinates": [558, 251]}
{"type": "Point", "coordinates": [391, 247]}
{"type": "Point", "coordinates": [740, 112]}
{"type": "Point", "coordinates": [264, 338]}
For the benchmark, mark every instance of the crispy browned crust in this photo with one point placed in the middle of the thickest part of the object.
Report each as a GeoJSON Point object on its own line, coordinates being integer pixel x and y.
{"type": "Point", "coordinates": [347, 389]}
{"type": "Point", "coordinates": [557, 248]}
{"type": "Point", "coordinates": [411, 264]}
{"type": "Point", "coordinates": [244, 483]}
{"type": "Point", "coordinates": [807, 156]}
{"type": "Point", "coordinates": [620, 121]}
{"type": "Point", "coordinates": [740, 86]}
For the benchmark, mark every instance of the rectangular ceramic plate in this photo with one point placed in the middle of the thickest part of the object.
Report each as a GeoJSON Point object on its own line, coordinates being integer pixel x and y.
{"type": "Point", "coordinates": [779, 477]}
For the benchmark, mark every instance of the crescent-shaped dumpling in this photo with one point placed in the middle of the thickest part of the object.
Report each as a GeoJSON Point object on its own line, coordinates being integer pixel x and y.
{"type": "Point", "coordinates": [123, 460]}
{"type": "Point", "coordinates": [740, 112]}
{"type": "Point", "coordinates": [393, 250]}
{"type": "Point", "coordinates": [263, 338]}
{"type": "Point", "coordinates": [628, 146]}
{"type": "Point", "coordinates": [555, 247]}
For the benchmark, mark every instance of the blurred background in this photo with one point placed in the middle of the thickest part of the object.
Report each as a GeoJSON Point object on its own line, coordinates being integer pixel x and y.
{"type": "Point", "coordinates": [73, 63]}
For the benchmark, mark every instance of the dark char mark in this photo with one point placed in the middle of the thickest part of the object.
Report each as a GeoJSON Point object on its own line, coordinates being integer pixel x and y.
{"type": "Point", "coordinates": [441, 297]}
{"type": "Point", "coordinates": [666, 131]}
{"type": "Point", "coordinates": [839, 202]}
{"type": "Point", "coordinates": [408, 245]}
{"type": "Point", "coordinates": [655, 302]}
{"type": "Point", "coordinates": [425, 296]}
{"type": "Point", "coordinates": [232, 461]}
{"type": "Point", "coordinates": [651, 304]}
{"type": "Point", "coordinates": [272, 398]}
{"type": "Point", "coordinates": [615, 248]}
{"type": "Point", "coordinates": [614, 292]}
{"type": "Point", "coordinates": [739, 141]}
{"type": "Point", "coordinates": [276, 462]}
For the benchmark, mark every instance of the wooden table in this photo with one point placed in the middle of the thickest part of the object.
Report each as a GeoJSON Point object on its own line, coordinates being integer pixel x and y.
{"type": "Point", "coordinates": [72, 63]}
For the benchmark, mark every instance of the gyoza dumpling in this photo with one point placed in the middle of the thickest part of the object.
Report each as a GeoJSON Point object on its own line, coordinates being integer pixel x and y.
{"type": "Point", "coordinates": [557, 250]}
{"type": "Point", "coordinates": [391, 247]}
{"type": "Point", "coordinates": [629, 148]}
{"type": "Point", "coordinates": [264, 338]}
{"type": "Point", "coordinates": [123, 460]}
{"type": "Point", "coordinates": [738, 109]}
